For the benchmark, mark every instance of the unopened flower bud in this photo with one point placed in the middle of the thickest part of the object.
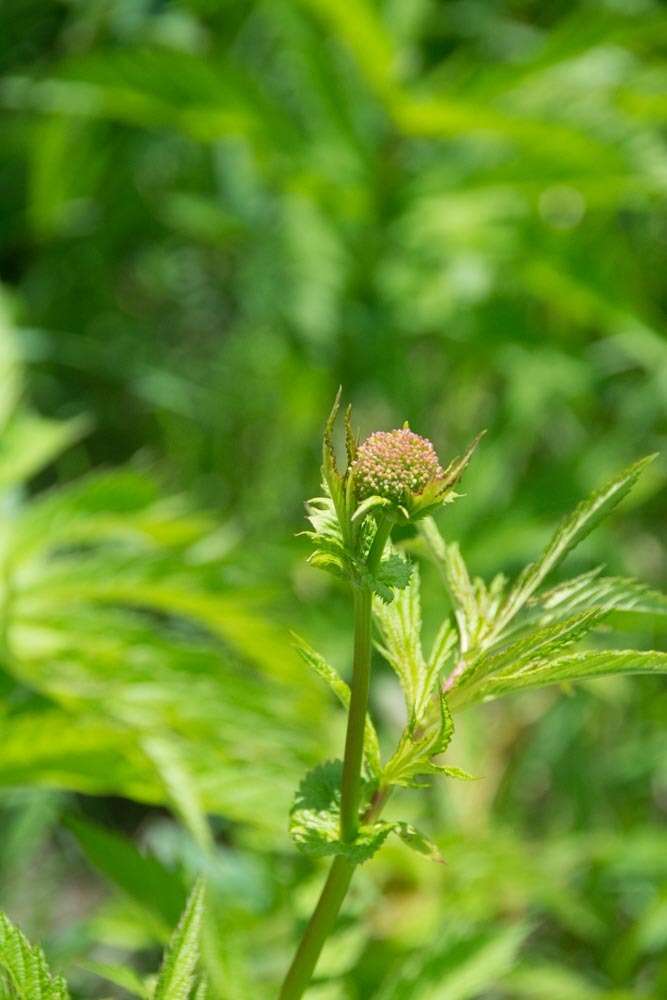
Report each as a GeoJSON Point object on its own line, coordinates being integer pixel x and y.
{"type": "Point", "coordinates": [396, 465]}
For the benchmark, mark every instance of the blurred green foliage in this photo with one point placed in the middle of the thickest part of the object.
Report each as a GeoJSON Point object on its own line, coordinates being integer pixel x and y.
{"type": "Point", "coordinates": [212, 214]}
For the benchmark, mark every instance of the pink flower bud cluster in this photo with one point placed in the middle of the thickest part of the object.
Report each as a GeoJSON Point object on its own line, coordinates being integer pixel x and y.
{"type": "Point", "coordinates": [394, 465]}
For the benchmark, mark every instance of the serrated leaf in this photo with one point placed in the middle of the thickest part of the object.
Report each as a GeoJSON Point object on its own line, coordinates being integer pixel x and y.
{"type": "Point", "coordinates": [391, 576]}
{"type": "Point", "coordinates": [351, 443]}
{"type": "Point", "coordinates": [329, 465]}
{"type": "Point", "coordinates": [342, 691]}
{"type": "Point", "coordinates": [177, 974]}
{"type": "Point", "coordinates": [462, 591]}
{"type": "Point", "coordinates": [454, 772]}
{"type": "Point", "coordinates": [416, 748]}
{"type": "Point", "coordinates": [475, 605]}
{"type": "Point", "coordinates": [570, 532]}
{"type": "Point", "coordinates": [26, 966]}
{"type": "Point", "coordinates": [629, 603]}
{"type": "Point", "coordinates": [532, 648]}
{"type": "Point", "coordinates": [400, 626]}
{"type": "Point", "coordinates": [315, 819]}
{"type": "Point", "coordinates": [575, 667]}
{"type": "Point", "coordinates": [394, 571]}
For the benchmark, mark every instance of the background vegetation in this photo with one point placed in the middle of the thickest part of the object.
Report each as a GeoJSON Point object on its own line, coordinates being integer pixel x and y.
{"type": "Point", "coordinates": [211, 215]}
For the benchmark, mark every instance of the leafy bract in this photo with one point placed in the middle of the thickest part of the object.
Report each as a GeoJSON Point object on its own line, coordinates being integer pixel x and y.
{"type": "Point", "coordinates": [391, 576]}
{"type": "Point", "coordinates": [24, 966]}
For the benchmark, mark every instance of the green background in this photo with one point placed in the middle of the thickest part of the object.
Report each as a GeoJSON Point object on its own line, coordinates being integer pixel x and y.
{"type": "Point", "coordinates": [212, 214]}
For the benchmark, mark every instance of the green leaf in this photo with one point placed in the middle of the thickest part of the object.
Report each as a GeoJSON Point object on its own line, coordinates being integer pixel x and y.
{"type": "Point", "coordinates": [627, 602]}
{"type": "Point", "coordinates": [576, 667]}
{"type": "Point", "coordinates": [26, 967]}
{"type": "Point", "coordinates": [157, 890]}
{"type": "Point", "coordinates": [11, 369]}
{"type": "Point", "coordinates": [400, 625]}
{"type": "Point", "coordinates": [342, 691]}
{"type": "Point", "coordinates": [177, 974]}
{"type": "Point", "coordinates": [416, 748]}
{"type": "Point", "coordinates": [28, 443]}
{"type": "Point", "coordinates": [315, 818]}
{"type": "Point", "coordinates": [392, 575]}
{"type": "Point", "coordinates": [586, 516]}
{"type": "Point", "coordinates": [417, 841]}
{"type": "Point", "coordinates": [315, 822]}
{"type": "Point", "coordinates": [532, 648]}
{"type": "Point", "coordinates": [475, 605]}
{"type": "Point", "coordinates": [455, 968]}
{"type": "Point", "coordinates": [119, 975]}
{"type": "Point", "coordinates": [464, 596]}
{"type": "Point", "coordinates": [56, 749]}
{"type": "Point", "coordinates": [180, 788]}
{"type": "Point", "coordinates": [544, 980]}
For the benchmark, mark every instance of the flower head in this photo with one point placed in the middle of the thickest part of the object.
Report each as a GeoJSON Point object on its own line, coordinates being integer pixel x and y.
{"type": "Point", "coordinates": [395, 465]}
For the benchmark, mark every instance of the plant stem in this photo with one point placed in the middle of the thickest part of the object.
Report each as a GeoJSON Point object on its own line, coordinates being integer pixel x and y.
{"type": "Point", "coordinates": [354, 738]}
{"type": "Point", "coordinates": [337, 883]}
{"type": "Point", "coordinates": [318, 929]}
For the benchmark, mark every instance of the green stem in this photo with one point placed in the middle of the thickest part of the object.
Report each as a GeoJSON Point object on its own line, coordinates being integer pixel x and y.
{"type": "Point", "coordinates": [337, 883]}
{"type": "Point", "coordinates": [318, 929]}
{"type": "Point", "coordinates": [354, 739]}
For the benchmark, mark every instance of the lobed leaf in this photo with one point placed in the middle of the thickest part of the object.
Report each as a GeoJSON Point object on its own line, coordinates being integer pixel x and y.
{"type": "Point", "coordinates": [315, 818]}
{"type": "Point", "coordinates": [391, 576]}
